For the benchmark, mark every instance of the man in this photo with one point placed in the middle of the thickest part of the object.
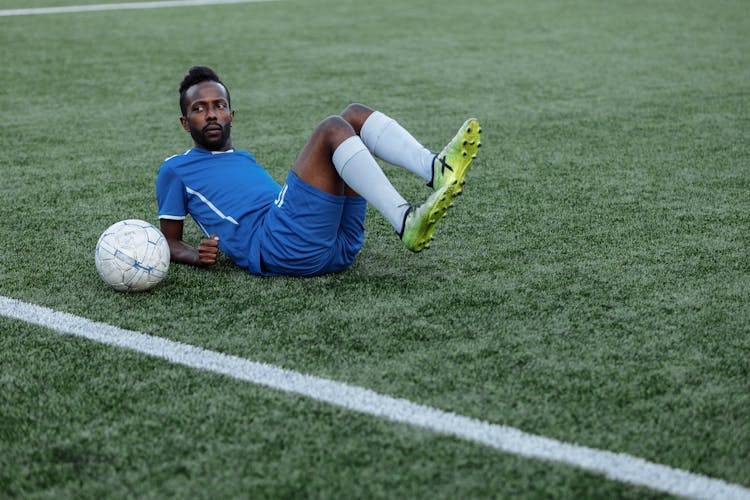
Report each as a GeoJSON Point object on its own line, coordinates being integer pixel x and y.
{"type": "Point", "coordinates": [315, 223]}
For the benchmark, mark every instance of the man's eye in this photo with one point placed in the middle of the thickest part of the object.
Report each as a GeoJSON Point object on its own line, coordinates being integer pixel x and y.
{"type": "Point", "coordinates": [198, 109]}
{"type": "Point", "coordinates": [221, 105]}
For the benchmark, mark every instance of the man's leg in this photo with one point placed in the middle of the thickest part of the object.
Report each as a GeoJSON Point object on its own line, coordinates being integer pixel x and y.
{"type": "Point", "coordinates": [335, 160]}
{"type": "Point", "coordinates": [389, 141]}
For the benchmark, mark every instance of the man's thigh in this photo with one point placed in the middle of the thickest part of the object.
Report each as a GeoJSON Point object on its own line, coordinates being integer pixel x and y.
{"type": "Point", "coordinates": [308, 231]}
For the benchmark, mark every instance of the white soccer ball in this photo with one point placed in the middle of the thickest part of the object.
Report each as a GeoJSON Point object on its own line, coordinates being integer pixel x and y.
{"type": "Point", "coordinates": [132, 256]}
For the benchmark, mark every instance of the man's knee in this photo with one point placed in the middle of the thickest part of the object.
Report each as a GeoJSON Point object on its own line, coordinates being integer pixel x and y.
{"type": "Point", "coordinates": [355, 114]}
{"type": "Point", "coordinates": [333, 130]}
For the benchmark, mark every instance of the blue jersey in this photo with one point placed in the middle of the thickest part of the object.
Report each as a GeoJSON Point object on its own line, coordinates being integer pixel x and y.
{"type": "Point", "coordinates": [226, 193]}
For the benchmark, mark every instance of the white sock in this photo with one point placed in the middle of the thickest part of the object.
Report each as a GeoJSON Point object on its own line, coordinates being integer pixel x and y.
{"type": "Point", "coordinates": [361, 172]}
{"type": "Point", "coordinates": [390, 142]}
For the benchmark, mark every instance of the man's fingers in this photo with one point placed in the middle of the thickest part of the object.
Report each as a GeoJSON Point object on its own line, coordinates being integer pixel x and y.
{"type": "Point", "coordinates": [212, 242]}
{"type": "Point", "coordinates": [209, 250]}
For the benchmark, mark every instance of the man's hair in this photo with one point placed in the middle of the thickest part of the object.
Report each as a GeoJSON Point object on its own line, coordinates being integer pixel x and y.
{"type": "Point", "coordinates": [198, 74]}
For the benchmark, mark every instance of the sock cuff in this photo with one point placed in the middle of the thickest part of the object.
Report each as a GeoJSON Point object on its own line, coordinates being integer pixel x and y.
{"type": "Point", "coordinates": [346, 151]}
{"type": "Point", "coordinates": [373, 129]}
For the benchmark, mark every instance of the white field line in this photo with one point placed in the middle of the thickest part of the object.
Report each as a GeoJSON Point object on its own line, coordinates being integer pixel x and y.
{"type": "Point", "coordinates": [617, 466]}
{"type": "Point", "coordinates": [119, 6]}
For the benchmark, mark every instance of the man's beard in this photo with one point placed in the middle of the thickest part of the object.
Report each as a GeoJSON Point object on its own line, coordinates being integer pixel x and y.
{"type": "Point", "coordinates": [214, 143]}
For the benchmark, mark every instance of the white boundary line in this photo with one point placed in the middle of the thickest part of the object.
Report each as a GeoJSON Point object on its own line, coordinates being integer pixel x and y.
{"type": "Point", "coordinates": [119, 6]}
{"type": "Point", "coordinates": [617, 466]}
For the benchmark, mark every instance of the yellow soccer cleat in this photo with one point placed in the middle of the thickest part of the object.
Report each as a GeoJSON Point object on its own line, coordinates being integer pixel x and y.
{"type": "Point", "coordinates": [419, 223]}
{"type": "Point", "coordinates": [450, 166]}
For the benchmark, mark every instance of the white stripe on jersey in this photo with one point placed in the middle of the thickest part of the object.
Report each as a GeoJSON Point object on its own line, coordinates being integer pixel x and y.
{"type": "Point", "coordinates": [211, 206]}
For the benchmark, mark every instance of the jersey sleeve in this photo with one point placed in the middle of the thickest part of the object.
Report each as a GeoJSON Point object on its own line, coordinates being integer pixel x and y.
{"type": "Point", "coordinates": [170, 194]}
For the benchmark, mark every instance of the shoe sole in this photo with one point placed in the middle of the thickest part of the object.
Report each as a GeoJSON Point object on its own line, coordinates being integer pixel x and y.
{"type": "Point", "coordinates": [439, 209]}
{"type": "Point", "coordinates": [460, 152]}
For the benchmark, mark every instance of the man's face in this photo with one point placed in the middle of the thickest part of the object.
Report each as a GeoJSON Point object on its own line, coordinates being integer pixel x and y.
{"type": "Point", "coordinates": [209, 119]}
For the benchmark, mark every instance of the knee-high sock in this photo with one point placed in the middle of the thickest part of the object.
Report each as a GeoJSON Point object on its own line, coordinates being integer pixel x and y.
{"type": "Point", "coordinates": [391, 142]}
{"type": "Point", "coordinates": [361, 172]}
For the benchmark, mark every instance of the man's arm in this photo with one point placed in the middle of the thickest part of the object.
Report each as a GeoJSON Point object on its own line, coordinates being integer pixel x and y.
{"type": "Point", "coordinates": [182, 253]}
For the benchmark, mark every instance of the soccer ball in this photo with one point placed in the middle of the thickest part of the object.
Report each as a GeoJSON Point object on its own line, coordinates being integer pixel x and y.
{"type": "Point", "coordinates": [132, 256]}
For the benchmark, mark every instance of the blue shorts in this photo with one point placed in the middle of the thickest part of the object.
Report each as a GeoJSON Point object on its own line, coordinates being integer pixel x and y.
{"type": "Point", "coordinates": [308, 232]}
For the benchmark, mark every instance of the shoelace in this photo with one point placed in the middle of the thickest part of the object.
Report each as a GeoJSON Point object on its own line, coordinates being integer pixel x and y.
{"type": "Point", "coordinates": [443, 166]}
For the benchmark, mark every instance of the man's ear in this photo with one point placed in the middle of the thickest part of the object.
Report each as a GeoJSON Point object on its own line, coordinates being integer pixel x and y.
{"type": "Point", "coordinates": [185, 124]}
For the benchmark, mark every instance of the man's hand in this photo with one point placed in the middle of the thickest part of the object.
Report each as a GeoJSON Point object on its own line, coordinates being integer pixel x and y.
{"type": "Point", "coordinates": [208, 250]}
{"type": "Point", "coordinates": [203, 256]}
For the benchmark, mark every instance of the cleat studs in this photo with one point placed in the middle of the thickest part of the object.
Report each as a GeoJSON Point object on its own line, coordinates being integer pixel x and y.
{"type": "Point", "coordinates": [480, 130]}
{"type": "Point", "coordinates": [479, 144]}
{"type": "Point", "coordinates": [472, 142]}
{"type": "Point", "coordinates": [465, 142]}
{"type": "Point", "coordinates": [464, 153]}
{"type": "Point", "coordinates": [473, 157]}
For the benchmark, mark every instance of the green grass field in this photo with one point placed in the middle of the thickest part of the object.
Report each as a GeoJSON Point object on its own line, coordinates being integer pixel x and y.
{"type": "Point", "coordinates": [592, 285]}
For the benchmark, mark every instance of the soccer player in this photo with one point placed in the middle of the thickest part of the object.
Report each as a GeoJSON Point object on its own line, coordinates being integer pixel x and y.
{"type": "Point", "coordinates": [314, 224]}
